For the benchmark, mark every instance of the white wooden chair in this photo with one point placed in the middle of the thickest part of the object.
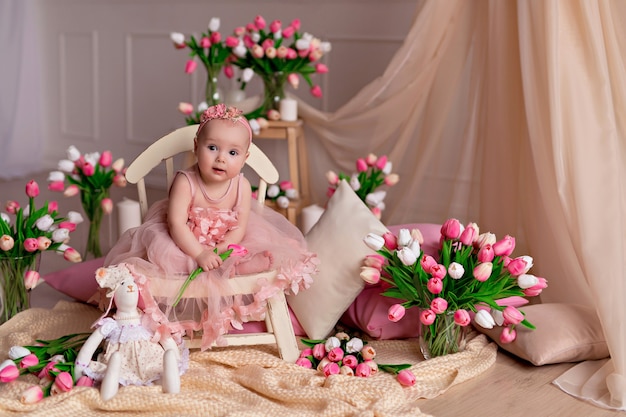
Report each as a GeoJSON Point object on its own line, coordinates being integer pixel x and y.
{"type": "Point", "coordinates": [278, 323]}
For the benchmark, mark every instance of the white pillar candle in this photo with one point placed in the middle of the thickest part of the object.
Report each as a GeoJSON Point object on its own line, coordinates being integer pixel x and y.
{"type": "Point", "coordinates": [310, 216]}
{"type": "Point", "coordinates": [288, 110]}
{"type": "Point", "coordinates": [128, 215]}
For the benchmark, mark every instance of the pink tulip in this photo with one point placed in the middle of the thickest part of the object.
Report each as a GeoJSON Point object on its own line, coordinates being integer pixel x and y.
{"type": "Point", "coordinates": [321, 68]}
{"type": "Point", "coordinates": [396, 312]}
{"type": "Point", "coordinates": [32, 395]}
{"type": "Point", "coordinates": [319, 351]}
{"type": "Point", "coordinates": [469, 234]}
{"type": "Point", "coordinates": [119, 180]}
{"type": "Point", "coordinates": [291, 53]}
{"type": "Point", "coordinates": [238, 250]}
{"type": "Point", "coordinates": [362, 370]}
{"type": "Point", "coordinates": [485, 253]}
{"type": "Point", "coordinates": [31, 278]}
{"type": "Point", "coordinates": [438, 305]}
{"type": "Point", "coordinates": [392, 179]}
{"type": "Point", "coordinates": [9, 373]}
{"type": "Point", "coordinates": [6, 242]}
{"type": "Point", "coordinates": [370, 275]}
{"type": "Point", "coordinates": [451, 229]}
{"type": "Point", "coordinates": [391, 241]}
{"type": "Point", "coordinates": [435, 285]}
{"type": "Point", "coordinates": [483, 271]}
{"type": "Point", "coordinates": [63, 382]}
{"type": "Point", "coordinates": [190, 66]}
{"type": "Point", "coordinates": [350, 361]}
{"type": "Point", "coordinates": [306, 352]}
{"type": "Point", "coordinates": [288, 32]}
{"type": "Point", "coordinates": [508, 335]}
{"type": "Point", "coordinates": [29, 360]}
{"type": "Point", "coordinates": [88, 169]}
{"type": "Point", "coordinates": [304, 362]}
{"type": "Point", "coordinates": [377, 212]}
{"type": "Point", "coordinates": [505, 246]}
{"type": "Point", "coordinates": [231, 41]}
{"type": "Point", "coordinates": [427, 317]}
{"type": "Point", "coordinates": [512, 315]}
{"type": "Point", "coordinates": [346, 370]}
{"type": "Point", "coordinates": [427, 262]}
{"type": "Point", "coordinates": [205, 42]}
{"type": "Point", "coordinates": [361, 165]}
{"type": "Point", "coordinates": [368, 353]}
{"type": "Point", "coordinates": [72, 255]}
{"type": "Point", "coordinates": [330, 191]}
{"type": "Point", "coordinates": [107, 205]}
{"type": "Point", "coordinates": [406, 378]}
{"type": "Point", "coordinates": [53, 206]}
{"type": "Point", "coordinates": [106, 159]}
{"type": "Point", "coordinates": [373, 366]}
{"type": "Point", "coordinates": [275, 26]}
{"type": "Point", "coordinates": [185, 108]}
{"type": "Point", "coordinates": [335, 354]}
{"type": "Point", "coordinates": [285, 185]}
{"type": "Point", "coordinates": [516, 267]}
{"type": "Point", "coordinates": [292, 78]}
{"type": "Point", "coordinates": [32, 189]}
{"type": "Point", "coordinates": [536, 289]}
{"type": "Point", "coordinates": [462, 317]}
{"type": "Point", "coordinates": [295, 23]}
{"type": "Point", "coordinates": [56, 186]}
{"type": "Point", "coordinates": [216, 37]}
{"type": "Point", "coordinates": [381, 162]}
{"type": "Point", "coordinates": [438, 271]}
{"type": "Point", "coordinates": [71, 191]}
{"type": "Point", "coordinates": [45, 372]}
{"type": "Point", "coordinates": [12, 206]}
{"type": "Point", "coordinates": [31, 244]}
{"type": "Point", "coordinates": [331, 369]}
{"type": "Point", "coordinates": [374, 261]}
{"type": "Point", "coordinates": [316, 91]}
{"type": "Point", "coordinates": [229, 72]}
{"type": "Point", "coordinates": [84, 381]}
{"type": "Point", "coordinates": [67, 225]}
{"type": "Point", "coordinates": [259, 22]}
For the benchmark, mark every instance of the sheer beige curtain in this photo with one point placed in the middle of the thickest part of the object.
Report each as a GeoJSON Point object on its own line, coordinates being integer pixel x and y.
{"type": "Point", "coordinates": [511, 114]}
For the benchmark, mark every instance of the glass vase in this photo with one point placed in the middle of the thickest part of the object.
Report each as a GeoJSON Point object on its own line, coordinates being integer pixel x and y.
{"type": "Point", "coordinates": [212, 94]}
{"type": "Point", "coordinates": [273, 92]}
{"type": "Point", "coordinates": [442, 337]}
{"type": "Point", "coordinates": [92, 205]}
{"type": "Point", "coordinates": [15, 297]}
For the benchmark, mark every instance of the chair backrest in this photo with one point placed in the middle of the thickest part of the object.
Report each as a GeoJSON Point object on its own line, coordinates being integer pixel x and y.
{"type": "Point", "coordinates": [178, 142]}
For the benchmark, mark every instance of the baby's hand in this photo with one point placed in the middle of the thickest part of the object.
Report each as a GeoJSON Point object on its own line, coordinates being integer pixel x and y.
{"type": "Point", "coordinates": [208, 260]}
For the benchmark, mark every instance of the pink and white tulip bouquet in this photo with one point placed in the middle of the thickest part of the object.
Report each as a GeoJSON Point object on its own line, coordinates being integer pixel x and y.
{"type": "Point", "coordinates": [345, 355]}
{"type": "Point", "coordinates": [213, 54]}
{"type": "Point", "coordinates": [281, 194]}
{"type": "Point", "coordinates": [475, 277]}
{"type": "Point", "coordinates": [52, 361]}
{"type": "Point", "coordinates": [371, 173]}
{"type": "Point", "coordinates": [91, 175]}
{"type": "Point", "coordinates": [25, 232]}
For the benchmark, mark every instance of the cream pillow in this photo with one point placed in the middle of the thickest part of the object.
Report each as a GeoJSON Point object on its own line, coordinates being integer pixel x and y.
{"type": "Point", "coordinates": [564, 333]}
{"type": "Point", "coordinates": [337, 239]}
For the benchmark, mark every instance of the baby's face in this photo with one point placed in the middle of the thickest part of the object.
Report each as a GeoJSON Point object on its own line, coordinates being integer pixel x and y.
{"type": "Point", "coordinates": [222, 149]}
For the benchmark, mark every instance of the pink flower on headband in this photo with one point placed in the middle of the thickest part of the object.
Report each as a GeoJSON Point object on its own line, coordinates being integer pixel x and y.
{"type": "Point", "coordinates": [220, 111]}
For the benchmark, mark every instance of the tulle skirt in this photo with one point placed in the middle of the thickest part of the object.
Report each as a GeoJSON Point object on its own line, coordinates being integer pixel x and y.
{"type": "Point", "coordinates": [272, 244]}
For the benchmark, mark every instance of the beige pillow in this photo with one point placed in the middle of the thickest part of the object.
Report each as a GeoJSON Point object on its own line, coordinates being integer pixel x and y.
{"type": "Point", "coordinates": [564, 333]}
{"type": "Point", "coordinates": [337, 239]}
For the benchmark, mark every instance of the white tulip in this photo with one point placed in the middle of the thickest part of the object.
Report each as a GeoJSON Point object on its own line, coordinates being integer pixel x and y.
{"type": "Point", "coordinates": [73, 154]}
{"type": "Point", "coordinates": [291, 193]}
{"type": "Point", "coordinates": [406, 256]}
{"type": "Point", "coordinates": [529, 262]}
{"type": "Point", "coordinates": [56, 176]}
{"type": "Point", "coordinates": [16, 352]}
{"type": "Point", "coordinates": [303, 44]}
{"type": "Point", "coordinates": [375, 198]}
{"type": "Point", "coordinates": [525, 281]}
{"type": "Point", "coordinates": [497, 316]}
{"type": "Point", "coordinates": [415, 247]}
{"type": "Point", "coordinates": [247, 74]}
{"type": "Point", "coordinates": [256, 37]}
{"type": "Point", "coordinates": [93, 158]}
{"type": "Point", "coordinates": [273, 191]}
{"type": "Point", "coordinates": [354, 345]}
{"type": "Point", "coordinates": [404, 237]}
{"type": "Point", "coordinates": [282, 202]}
{"type": "Point", "coordinates": [66, 165]}
{"type": "Point", "coordinates": [254, 126]}
{"type": "Point", "coordinates": [325, 47]}
{"type": "Point", "coordinates": [214, 24]}
{"type": "Point", "coordinates": [177, 37]}
{"type": "Point", "coordinates": [374, 241]}
{"type": "Point", "coordinates": [60, 235]}
{"type": "Point", "coordinates": [331, 343]}
{"type": "Point", "coordinates": [4, 216]}
{"type": "Point", "coordinates": [75, 217]}
{"type": "Point", "coordinates": [484, 319]}
{"type": "Point", "coordinates": [387, 168]}
{"type": "Point", "coordinates": [44, 223]}
{"type": "Point", "coordinates": [202, 106]}
{"type": "Point", "coordinates": [240, 50]}
{"type": "Point", "coordinates": [354, 182]}
{"type": "Point", "coordinates": [456, 270]}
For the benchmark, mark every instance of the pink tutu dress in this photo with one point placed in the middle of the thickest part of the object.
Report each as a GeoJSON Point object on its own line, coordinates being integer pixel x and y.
{"type": "Point", "coordinates": [272, 242]}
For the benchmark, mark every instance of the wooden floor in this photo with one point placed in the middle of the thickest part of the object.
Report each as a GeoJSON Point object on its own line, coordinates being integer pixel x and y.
{"type": "Point", "coordinates": [510, 388]}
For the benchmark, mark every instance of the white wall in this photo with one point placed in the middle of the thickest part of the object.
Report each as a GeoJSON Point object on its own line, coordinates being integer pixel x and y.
{"type": "Point", "coordinates": [112, 79]}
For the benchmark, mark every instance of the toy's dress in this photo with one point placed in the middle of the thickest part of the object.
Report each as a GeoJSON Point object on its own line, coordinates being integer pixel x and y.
{"type": "Point", "coordinates": [271, 241]}
{"type": "Point", "coordinates": [142, 359]}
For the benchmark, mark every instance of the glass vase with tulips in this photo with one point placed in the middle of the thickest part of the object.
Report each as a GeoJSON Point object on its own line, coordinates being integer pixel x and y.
{"type": "Point", "coordinates": [91, 175]}
{"type": "Point", "coordinates": [473, 278]}
{"type": "Point", "coordinates": [25, 232]}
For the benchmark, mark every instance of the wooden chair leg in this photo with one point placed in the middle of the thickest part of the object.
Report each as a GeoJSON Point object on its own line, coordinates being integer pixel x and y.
{"type": "Point", "coordinates": [278, 313]}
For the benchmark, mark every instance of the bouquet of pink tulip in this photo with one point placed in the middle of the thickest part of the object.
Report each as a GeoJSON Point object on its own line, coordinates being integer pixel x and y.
{"type": "Point", "coordinates": [213, 54]}
{"type": "Point", "coordinates": [371, 173]}
{"type": "Point", "coordinates": [474, 275]}
{"type": "Point", "coordinates": [342, 354]}
{"type": "Point", "coordinates": [91, 175]}
{"type": "Point", "coordinates": [52, 361]}
{"type": "Point", "coordinates": [32, 231]}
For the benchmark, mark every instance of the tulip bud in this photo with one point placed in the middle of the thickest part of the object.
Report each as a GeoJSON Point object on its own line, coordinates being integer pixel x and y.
{"type": "Point", "coordinates": [508, 335]}
{"type": "Point", "coordinates": [6, 243]}
{"type": "Point", "coordinates": [118, 165]}
{"type": "Point", "coordinates": [370, 275]}
{"type": "Point", "coordinates": [346, 370]}
{"type": "Point", "coordinates": [512, 315]}
{"type": "Point", "coordinates": [32, 189]}
{"type": "Point", "coordinates": [304, 362]}
{"type": "Point", "coordinates": [404, 237]}
{"type": "Point", "coordinates": [406, 256]}
{"type": "Point", "coordinates": [354, 345]}
{"type": "Point", "coordinates": [107, 205]}
{"type": "Point", "coordinates": [332, 177]}
{"type": "Point", "coordinates": [361, 165]}
{"type": "Point", "coordinates": [185, 108]}
{"type": "Point", "coordinates": [456, 270]}
{"type": "Point", "coordinates": [31, 279]}
{"type": "Point", "coordinates": [374, 241]}
{"type": "Point", "coordinates": [178, 39]}
{"type": "Point", "coordinates": [71, 191]}
{"type": "Point", "coordinates": [292, 78]}
{"type": "Point", "coordinates": [84, 381]}
{"type": "Point", "coordinates": [214, 24]}
{"type": "Point", "coordinates": [72, 255]}
{"type": "Point", "coordinates": [396, 312]}
{"type": "Point", "coordinates": [484, 319]}
{"type": "Point", "coordinates": [9, 373]}
{"type": "Point", "coordinates": [29, 360]}
{"type": "Point", "coordinates": [462, 317]}
{"type": "Point", "coordinates": [406, 378]}
{"type": "Point", "coordinates": [17, 352]}
{"type": "Point", "coordinates": [63, 382]}
{"type": "Point", "coordinates": [362, 370]}
{"type": "Point", "coordinates": [482, 271]}
{"type": "Point", "coordinates": [190, 66]}
{"type": "Point", "coordinates": [438, 305]}
{"type": "Point", "coordinates": [392, 179]}
{"type": "Point", "coordinates": [32, 395]}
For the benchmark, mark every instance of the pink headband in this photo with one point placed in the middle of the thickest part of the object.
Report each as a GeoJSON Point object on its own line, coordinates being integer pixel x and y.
{"type": "Point", "coordinates": [223, 112]}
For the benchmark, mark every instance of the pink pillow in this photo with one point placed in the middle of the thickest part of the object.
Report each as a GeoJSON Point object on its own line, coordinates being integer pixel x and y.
{"type": "Point", "coordinates": [368, 312]}
{"type": "Point", "coordinates": [79, 282]}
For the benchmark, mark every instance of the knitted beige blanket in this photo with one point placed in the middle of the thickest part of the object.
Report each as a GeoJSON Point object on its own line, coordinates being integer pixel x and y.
{"type": "Point", "coordinates": [241, 381]}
